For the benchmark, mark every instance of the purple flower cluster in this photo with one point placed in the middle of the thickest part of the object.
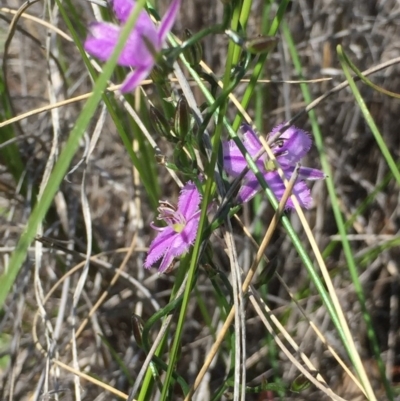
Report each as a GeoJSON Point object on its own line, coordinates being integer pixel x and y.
{"type": "Point", "coordinates": [144, 42]}
{"type": "Point", "coordinates": [180, 231]}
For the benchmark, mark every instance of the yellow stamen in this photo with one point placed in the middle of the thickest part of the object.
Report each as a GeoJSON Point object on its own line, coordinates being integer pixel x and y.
{"type": "Point", "coordinates": [178, 227]}
{"type": "Point", "coordinates": [270, 165]}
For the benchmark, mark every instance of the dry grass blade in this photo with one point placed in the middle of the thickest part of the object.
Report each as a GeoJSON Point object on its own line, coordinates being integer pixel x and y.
{"type": "Point", "coordinates": [303, 312]}
{"type": "Point", "coordinates": [39, 21]}
{"type": "Point", "coordinates": [91, 379]}
{"type": "Point", "coordinates": [49, 331]}
{"type": "Point", "coordinates": [119, 273]}
{"type": "Point", "coordinates": [317, 332]}
{"type": "Point", "coordinates": [96, 259]}
{"type": "Point", "coordinates": [324, 388]}
{"type": "Point", "coordinates": [11, 31]}
{"type": "Point", "coordinates": [394, 320]}
{"type": "Point", "coordinates": [240, 324]}
{"type": "Point", "coordinates": [89, 240]}
{"type": "Point", "coordinates": [260, 254]}
{"type": "Point", "coordinates": [154, 346]}
{"type": "Point", "coordinates": [331, 289]}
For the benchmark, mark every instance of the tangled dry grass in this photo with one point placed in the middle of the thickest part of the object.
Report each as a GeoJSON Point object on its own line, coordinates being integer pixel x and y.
{"type": "Point", "coordinates": [38, 334]}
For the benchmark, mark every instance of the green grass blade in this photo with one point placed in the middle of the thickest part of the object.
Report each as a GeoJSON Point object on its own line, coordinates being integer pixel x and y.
{"type": "Point", "coordinates": [260, 63]}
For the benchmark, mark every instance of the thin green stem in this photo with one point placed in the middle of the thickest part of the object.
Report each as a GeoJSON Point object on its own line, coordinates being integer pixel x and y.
{"type": "Point", "coordinates": [203, 218]}
{"type": "Point", "coordinates": [260, 64]}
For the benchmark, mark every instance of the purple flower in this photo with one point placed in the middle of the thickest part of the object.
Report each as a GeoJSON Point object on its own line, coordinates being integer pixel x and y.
{"type": "Point", "coordinates": [144, 41]}
{"type": "Point", "coordinates": [291, 146]}
{"type": "Point", "coordinates": [180, 232]}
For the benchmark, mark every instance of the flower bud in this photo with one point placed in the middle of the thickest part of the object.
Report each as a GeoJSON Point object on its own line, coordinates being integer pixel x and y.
{"type": "Point", "coordinates": [235, 37]}
{"type": "Point", "coordinates": [194, 52]}
{"type": "Point", "coordinates": [182, 118]}
{"type": "Point", "coordinates": [159, 74]}
{"type": "Point", "coordinates": [260, 44]}
{"type": "Point", "coordinates": [255, 45]}
{"type": "Point", "coordinates": [301, 383]}
{"type": "Point", "coordinates": [161, 125]}
{"type": "Point", "coordinates": [137, 328]}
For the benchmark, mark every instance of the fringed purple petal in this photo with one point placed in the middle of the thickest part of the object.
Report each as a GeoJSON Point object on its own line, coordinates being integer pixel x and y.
{"type": "Point", "coordinates": [234, 161]}
{"type": "Point", "coordinates": [122, 8]}
{"type": "Point", "coordinates": [102, 40]}
{"type": "Point", "coordinates": [303, 195]}
{"type": "Point", "coordinates": [300, 189]}
{"type": "Point", "coordinates": [294, 144]}
{"type": "Point", "coordinates": [159, 246]}
{"type": "Point", "coordinates": [136, 51]}
{"type": "Point", "coordinates": [275, 183]}
{"type": "Point", "coordinates": [142, 44]}
{"type": "Point", "coordinates": [134, 78]}
{"type": "Point", "coordinates": [168, 21]}
{"type": "Point", "coordinates": [145, 27]}
{"type": "Point", "coordinates": [248, 190]}
{"type": "Point", "coordinates": [312, 174]}
{"type": "Point", "coordinates": [250, 140]}
{"type": "Point", "coordinates": [171, 242]}
{"type": "Point", "coordinates": [166, 261]}
{"type": "Point", "coordinates": [185, 239]}
{"type": "Point", "coordinates": [189, 200]}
